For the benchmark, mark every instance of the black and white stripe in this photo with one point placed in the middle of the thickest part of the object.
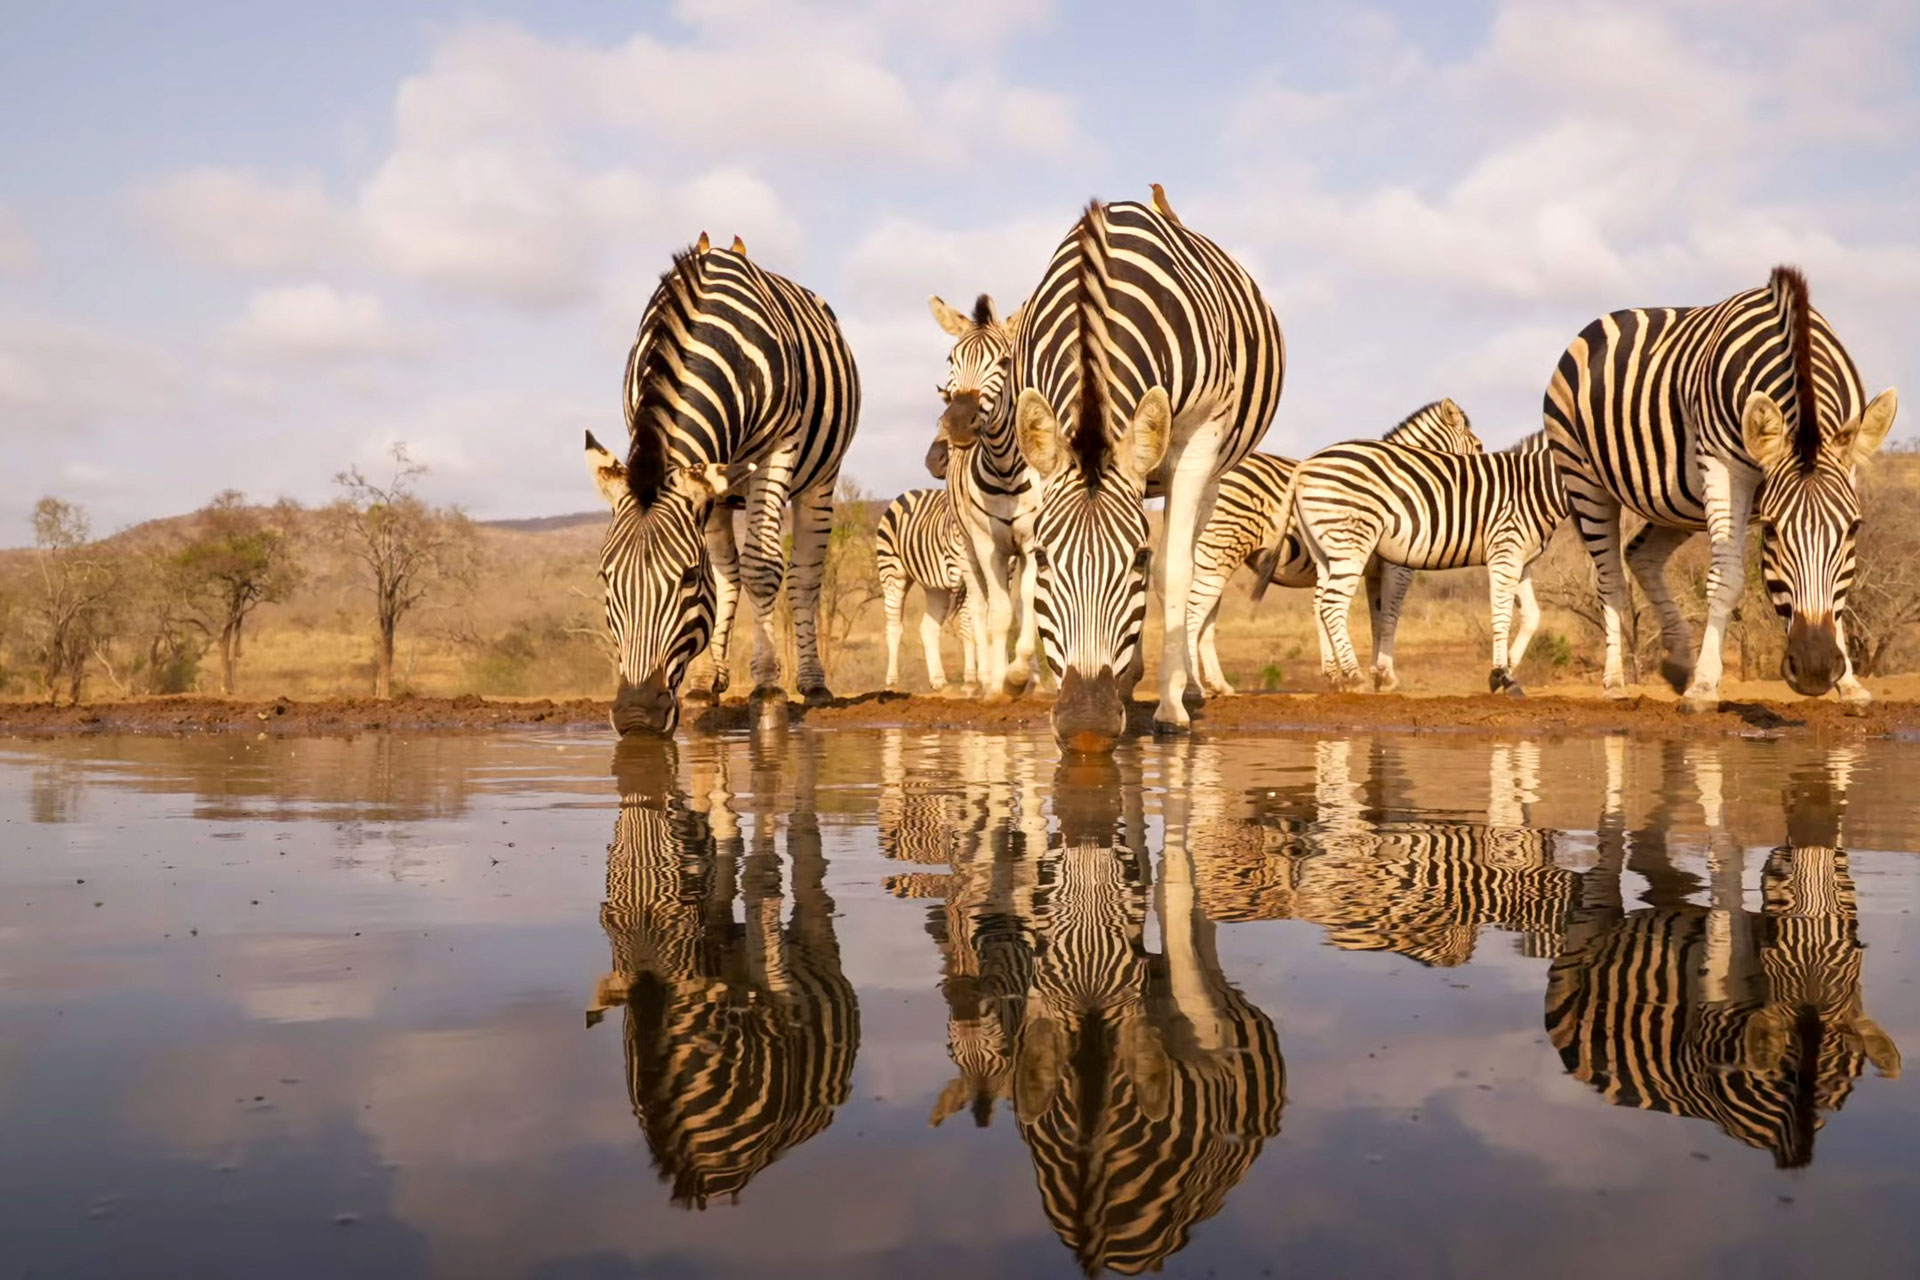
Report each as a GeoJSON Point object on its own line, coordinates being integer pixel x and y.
{"type": "Point", "coordinates": [739, 383]}
{"type": "Point", "coordinates": [990, 486]}
{"type": "Point", "coordinates": [1425, 509]}
{"type": "Point", "coordinates": [740, 1040]}
{"type": "Point", "coordinates": [919, 543]}
{"type": "Point", "coordinates": [1702, 418]}
{"type": "Point", "coordinates": [1147, 363]}
{"type": "Point", "coordinates": [1248, 526]}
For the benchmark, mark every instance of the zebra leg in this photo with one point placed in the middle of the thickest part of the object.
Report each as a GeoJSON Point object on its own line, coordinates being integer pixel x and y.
{"type": "Point", "coordinates": [1529, 619]}
{"type": "Point", "coordinates": [1026, 640]}
{"type": "Point", "coordinates": [1729, 503]}
{"type": "Point", "coordinates": [1598, 517]}
{"type": "Point", "coordinates": [1190, 495]}
{"type": "Point", "coordinates": [939, 607]}
{"type": "Point", "coordinates": [1203, 611]}
{"type": "Point", "coordinates": [812, 525]}
{"type": "Point", "coordinates": [1331, 599]}
{"type": "Point", "coordinates": [987, 570]}
{"type": "Point", "coordinates": [1387, 586]}
{"type": "Point", "coordinates": [726, 593]}
{"type": "Point", "coordinates": [1502, 582]}
{"type": "Point", "coordinates": [1851, 691]}
{"type": "Point", "coordinates": [1647, 555]}
{"type": "Point", "coordinates": [763, 568]}
{"type": "Point", "coordinates": [1211, 675]}
{"type": "Point", "coordinates": [894, 596]}
{"type": "Point", "coordinates": [968, 645]}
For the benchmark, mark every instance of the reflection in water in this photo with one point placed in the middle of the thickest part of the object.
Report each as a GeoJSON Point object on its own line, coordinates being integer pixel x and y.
{"type": "Point", "coordinates": [740, 1034]}
{"type": "Point", "coordinates": [1351, 857]}
{"type": "Point", "coordinates": [1144, 1085]}
{"type": "Point", "coordinates": [1753, 1021]}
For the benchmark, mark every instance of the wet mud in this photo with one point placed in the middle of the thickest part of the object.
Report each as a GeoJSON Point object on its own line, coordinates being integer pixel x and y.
{"type": "Point", "coordinates": [1243, 714]}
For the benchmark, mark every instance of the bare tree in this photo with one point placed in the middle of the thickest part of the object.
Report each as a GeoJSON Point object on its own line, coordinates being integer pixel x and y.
{"type": "Point", "coordinates": [76, 585]}
{"type": "Point", "coordinates": [850, 581]}
{"type": "Point", "coordinates": [236, 559]}
{"type": "Point", "coordinates": [410, 548]}
{"type": "Point", "coordinates": [1885, 597]}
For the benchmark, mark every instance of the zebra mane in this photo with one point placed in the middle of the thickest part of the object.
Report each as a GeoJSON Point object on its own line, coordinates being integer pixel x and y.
{"type": "Point", "coordinates": [983, 310]}
{"type": "Point", "coordinates": [1535, 443]}
{"type": "Point", "coordinates": [663, 333]}
{"type": "Point", "coordinates": [1789, 288]}
{"type": "Point", "coordinates": [1090, 445]}
{"type": "Point", "coordinates": [1421, 418]}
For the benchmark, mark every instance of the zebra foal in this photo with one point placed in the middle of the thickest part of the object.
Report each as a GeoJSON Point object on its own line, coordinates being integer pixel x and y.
{"type": "Point", "coordinates": [919, 543]}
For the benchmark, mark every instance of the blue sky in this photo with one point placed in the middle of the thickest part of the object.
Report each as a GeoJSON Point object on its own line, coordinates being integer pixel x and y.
{"type": "Point", "coordinates": [246, 245]}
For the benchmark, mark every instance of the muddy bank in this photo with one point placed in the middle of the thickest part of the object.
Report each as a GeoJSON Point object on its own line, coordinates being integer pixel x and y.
{"type": "Point", "coordinates": [1250, 713]}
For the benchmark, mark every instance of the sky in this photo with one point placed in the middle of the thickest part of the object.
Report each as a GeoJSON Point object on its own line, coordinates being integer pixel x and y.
{"type": "Point", "coordinates": [246, 246]}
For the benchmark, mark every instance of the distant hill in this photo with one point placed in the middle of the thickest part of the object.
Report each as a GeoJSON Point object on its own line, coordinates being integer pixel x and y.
{"type": "Point", "coordinates": [544, 524]}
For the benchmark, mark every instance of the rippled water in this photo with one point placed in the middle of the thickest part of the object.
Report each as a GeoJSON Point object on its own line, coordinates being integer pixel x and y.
{"type": "Point", "coordinates": [899, 1003]}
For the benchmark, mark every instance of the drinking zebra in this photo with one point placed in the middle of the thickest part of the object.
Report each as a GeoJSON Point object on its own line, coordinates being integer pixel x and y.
{"type": "Point", "coordinates": [1754, 1022]}
{"type": "Point", "coordinates": [1148, 363]}
{"type": "Point", "coordinates": [1424, 509]}
{"type": "Point", "coordinates": [1247, 528]}
{"type": "Point", "coordinates": [740, 1040]}
{"type": "Point", "coordinates": [737, 377]}
{"type": "Point", "coordinates": [919, 543]}
{"type": "Point", "coordinates": [1706, 418]}
{"type": "Point", "coordinates": [989, 485]}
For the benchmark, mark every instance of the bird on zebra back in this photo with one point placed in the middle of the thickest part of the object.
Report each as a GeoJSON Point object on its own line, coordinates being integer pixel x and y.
{"type": "Point", "coordinates": [1148, 364]}
{"type": "Point", "coordinates": [739, 1038]}
{"type": "Point", "coordinates": [1709, 418]}
{"type": "Point", "coordinates": [738, 384]}
{"type": "Point", "coordinates": [1424, 508]}
{"type": "Point", "coordinates": [1145, 1085]}
{"type": "Point", "coordinates": [1248, 527]}
{"type": "Point", "coordinates": [1753, 1021]}
{"type": "Point", "coordinates": [919, 543]}
{"type": "Point", "coordinates": [990, 487]}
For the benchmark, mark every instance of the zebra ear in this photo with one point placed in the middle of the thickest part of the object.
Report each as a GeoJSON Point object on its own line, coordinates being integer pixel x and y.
{"type": "Point", "coordinates": [1147, 435]}
{"type": "Point", "coordinates": [947, 318]}
{"type": "Point", "coordinates": [937, 459]}
{"type": "Point", "coordinates": [1012, 323]}
{"type": "Point", "coordinates": [609, 473]}
{"type": "Point", "coordinates": [1145, 1060]}
{"type": "Point", "coordinates": [952, 1098]}
{"type": "Point", "coordinates": [1764, 1042]}
{"type": "Point", "coordinates": [1043, 1053]}
{"type": "Point", "coordinates": [1763, 429]}
{"type": "Point", "coordinates": [1882, 1052]}
{"type": "Point", "coordinates": [1038, 432]}
{"type": "Point", "coordinates": [1870, 432]}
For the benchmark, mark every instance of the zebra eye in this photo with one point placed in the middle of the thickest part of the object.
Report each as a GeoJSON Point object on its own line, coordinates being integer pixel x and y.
{"type": "Point", "coordinates": [1853, 530]}
{"type": "Point", "coordinates": [1039, 558]}
{"type": "Point", "coordinates": [690, 576]}
{"type": "Point", "coordinates": [1142, 559]}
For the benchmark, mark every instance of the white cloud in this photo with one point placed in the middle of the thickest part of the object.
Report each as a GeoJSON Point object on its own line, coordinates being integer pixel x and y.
{"type": "Point", "coordinates": [237, 219]}
{"type": "Point", "coordinates": [316, 323]}
{"type": "Point", "coordinates": [17, 251]}
{"type": "Point", "coordinates": [57, 377]}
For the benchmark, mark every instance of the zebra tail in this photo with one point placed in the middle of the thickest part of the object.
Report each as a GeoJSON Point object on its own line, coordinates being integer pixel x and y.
{"type": "Point", "coordinates": [1267, 563]}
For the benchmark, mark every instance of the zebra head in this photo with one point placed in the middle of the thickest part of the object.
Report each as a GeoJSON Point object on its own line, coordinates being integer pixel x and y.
{"type": "Point", "coordinates": [977, 368]}
{"type": "Point", "coordinates": [1091, 552]}
{"type": "Point", "coordinates": [658, 581]}
{"type": "Point", "coordinates": [1809, 514]}
{"type": "Point", "coordinates": [1442, 426]}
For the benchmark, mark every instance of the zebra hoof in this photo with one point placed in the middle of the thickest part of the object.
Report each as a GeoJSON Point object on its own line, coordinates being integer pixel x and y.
{"type": "Point", "coordinates": [1171, 728]}
{"type": "Point", "coordinates": [1499, 680]}
{"type": "Point", "coordinates": [1615, 692]}
{"type": "Point", "coordinates": [1385, 683]}
{"type": "Point", "coordinates": [1515, 691]}
{"type": "Point", "coordinates": [1694, 704]}
{"type": "Point", "coordinates": [816, 696]}
{"type": "Point", "coordinates": [1193, 698]}
{"type": "Point", "coordinates": [1676, 674]}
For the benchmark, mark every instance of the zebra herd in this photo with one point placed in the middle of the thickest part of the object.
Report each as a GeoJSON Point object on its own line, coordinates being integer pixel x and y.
{"type": "Point", "coordinates": [1148, 364]}
{"type": "Point", "coordinates": [1143, 1084]}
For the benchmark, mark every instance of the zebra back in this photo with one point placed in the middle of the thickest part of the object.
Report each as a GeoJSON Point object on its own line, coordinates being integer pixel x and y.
{"type": "Point", "coordinates": [918, 542]}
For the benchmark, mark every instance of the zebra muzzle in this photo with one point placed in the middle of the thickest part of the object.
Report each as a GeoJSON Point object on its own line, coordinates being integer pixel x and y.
{"type": "Point", "coordinates": [1813, 662]}
{"type": "Point", "coordinates": [1089, 714]}
{"type": "Point", "coordinates": [647, 707]}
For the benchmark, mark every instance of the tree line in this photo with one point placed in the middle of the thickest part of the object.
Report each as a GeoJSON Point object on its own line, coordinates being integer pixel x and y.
{"type": "Point", "coordinates": [143, 611]}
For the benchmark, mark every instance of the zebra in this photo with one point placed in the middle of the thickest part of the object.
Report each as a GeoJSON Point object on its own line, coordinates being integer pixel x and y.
{"type": "Point", "coordinates": [739, 1037]}
{"type": "Point", "coordinates": [738, 385]}
{"type": "Point", "coordinates": [1425, 509]}
{"type": "Point", "coordinates": [919, 543]}
{"type": "Point", "coordinates": [988, 483]}
{"type": "Point", "coordinates": [1754, 1022]}
{"type": "Point", "coordinates": [1246, 528]}
{"type": "Point", "coordinates": [1147, 362]}
{"type": "Point", "coordinates": [1704, 418]}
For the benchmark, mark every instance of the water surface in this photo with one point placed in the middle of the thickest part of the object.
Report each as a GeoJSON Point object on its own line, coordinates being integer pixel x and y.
{"type": "Point", "coordinates": [890, 1002]}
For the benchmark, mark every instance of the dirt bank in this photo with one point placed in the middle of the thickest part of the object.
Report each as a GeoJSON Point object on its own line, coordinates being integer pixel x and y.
{"type": "Point", "coordinates": [1255, 713]}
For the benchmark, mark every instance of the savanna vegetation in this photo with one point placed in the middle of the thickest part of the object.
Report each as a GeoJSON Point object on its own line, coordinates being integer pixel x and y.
{"type": "Point", "coordinates": [382, 592]}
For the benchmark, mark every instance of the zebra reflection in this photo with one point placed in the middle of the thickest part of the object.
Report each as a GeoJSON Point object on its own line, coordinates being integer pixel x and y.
{"type": "Point", "coordinates": [1143, 1084]}
{"type": "Point", "coordinates": [1755, 1022]}
{"type": "Point", "coordinates": [740, 1034]}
